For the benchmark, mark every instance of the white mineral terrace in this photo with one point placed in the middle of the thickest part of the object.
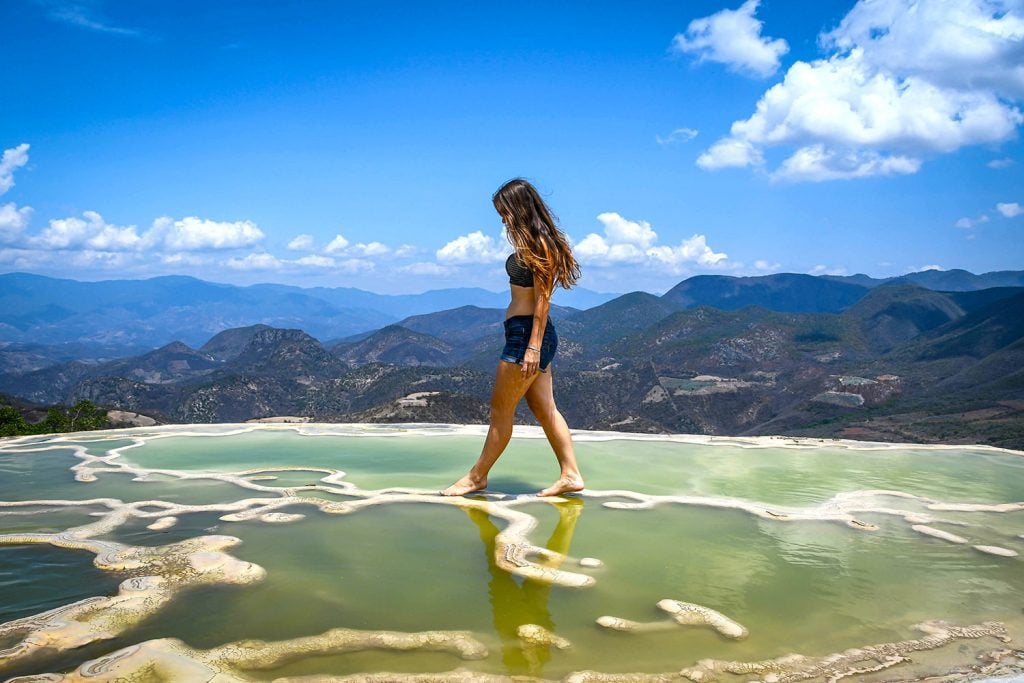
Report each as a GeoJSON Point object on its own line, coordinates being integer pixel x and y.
{"type": "Point", "coordinates": [159, 574]}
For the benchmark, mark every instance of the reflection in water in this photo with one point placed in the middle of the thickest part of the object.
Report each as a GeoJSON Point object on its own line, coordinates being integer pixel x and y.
{"type": "Point", "coordinates": [515, 602]}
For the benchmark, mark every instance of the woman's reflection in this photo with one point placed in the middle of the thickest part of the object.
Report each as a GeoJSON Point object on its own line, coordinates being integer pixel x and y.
{"type": "Point", "coordinates": [516, 601]}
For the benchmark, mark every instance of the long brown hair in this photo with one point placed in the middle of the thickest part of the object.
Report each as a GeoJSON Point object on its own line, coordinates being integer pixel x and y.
{"type": "Point", "coordinates": [532, 230]}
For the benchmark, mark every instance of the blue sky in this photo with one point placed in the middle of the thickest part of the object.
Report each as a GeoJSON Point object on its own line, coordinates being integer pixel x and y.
{"type": "Point", "coordinates": [358, 143]}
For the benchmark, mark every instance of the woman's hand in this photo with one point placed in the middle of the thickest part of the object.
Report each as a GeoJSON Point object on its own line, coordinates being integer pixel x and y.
{"type": "Point", "coordinates": [531, 362]}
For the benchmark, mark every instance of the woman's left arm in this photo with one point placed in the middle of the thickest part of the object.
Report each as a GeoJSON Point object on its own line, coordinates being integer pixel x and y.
{"type": "Point", "coordinates": [541, 307]}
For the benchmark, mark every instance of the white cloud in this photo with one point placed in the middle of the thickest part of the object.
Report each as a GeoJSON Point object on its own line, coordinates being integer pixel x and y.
{"type": "Point", "coordinates": [968, 223]}
{"type": "Point", "coordinates": [70, 263]}
{"type": "Point", "coordinates": [426, 268]}
{"type": "Point", "coordinates": [765, 265]}
{"type": "Point", "coordinates": [13, 158]}
{"type": "Point", "coordinates": [733, 38]}
{"type": "Point", "coordinates": [906, 79]}
{"type": "Point", "coordinates": [301, 243]}
{"type": "Point", "coordinates": [827, 270]}
{"type": "Point", "coordinates": [13, 221]}
{"type": "Point", "coordinates": [594, 247]}
{"type": "Point", "coordinates": [93, 258]}
{"type": "Point", "coordinates": [336, 245]}
{"type": "Point", "coordinates": [729, 153]}
{"type": "Point", "coordinates": [406, 250]}
{"type": "Point", "coordinates": [194, 234]}
{"type": "Point", "coordinates": [1011, 210]}
{"type": "Point", "coordinates": [15, 258]}
{"type": "Point", "coordinates": [921, 269]}
{"type": "Point", "coordinates": [476, 247]}
{"type": "Point", "coordinates": [254, 261]}
{"type": "Point", "coordinates": [340, 246]}
{"type": "Point", "coordinates": [83, 14]}
{"type": "Point", "coordinates": [59, 262]}
{"type": "Point", "coordinates": [90, 242]}
{"type": "Point", "coordinates": [621, 230]}
{"type": "Point", "coordinates": [185, 259]}
{"type": "Point", "coordinates": [371, 249]}
{"type": "Point", "coordinates": [591, 247]}
{"type": "Point", "coordinates": [315, 261]}
{"type": "Point", "coordinates": [817, 163]}
{"type": "Point", "coordinates": [678, 135]}
{"type": "Point", "coordinates": [694, 250]}
{"type": "Point", "coordinates": [91, 231]}
{"type": "Point", "coordinates": [114, 238]}
{"type": "Point", "coordinates": [356, 265]}
{"type": "Point", "coordinates": [266, 261]}
{"type": "Point", "coordinates": [65, 233]}
{"type": "Point", "coordinates": [1000, 164]}
{"type": "Point", "coordinates": [626, 241]}
{"type": "Point", "coordinates": [960, 44]}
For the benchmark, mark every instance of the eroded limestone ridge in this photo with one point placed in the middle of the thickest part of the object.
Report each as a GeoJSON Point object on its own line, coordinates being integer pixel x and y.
{"type": "Point", "coordinates": [169, 659]}
{"type": "Point", "coordinates": [840, 665]}
{"type": "Point", "coordinates": [681, 614]}
{"type": "Point", "coordinates": [162, 571]}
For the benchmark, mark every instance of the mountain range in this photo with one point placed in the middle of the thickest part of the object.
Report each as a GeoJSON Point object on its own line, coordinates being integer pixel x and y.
{"type": "Point", "coordinates": [791, 354]}
{"type": "Point", "coordinates": [130, 314]}
{"type": "Point", "coordinates": [123, 317]}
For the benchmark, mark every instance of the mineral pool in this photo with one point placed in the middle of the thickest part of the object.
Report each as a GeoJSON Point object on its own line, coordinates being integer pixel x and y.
{"type": "Point", "coordinates": [323, 552]}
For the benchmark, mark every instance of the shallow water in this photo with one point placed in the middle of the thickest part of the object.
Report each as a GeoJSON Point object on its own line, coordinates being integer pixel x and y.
{"type": "Point", "coordinates": [56, 577]}
{"type": "Point", "coordinates": [772, 535]}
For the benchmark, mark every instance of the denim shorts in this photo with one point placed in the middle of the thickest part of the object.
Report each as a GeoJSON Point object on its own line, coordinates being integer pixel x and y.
{"type": "Point", "coordinates": [517, 338]}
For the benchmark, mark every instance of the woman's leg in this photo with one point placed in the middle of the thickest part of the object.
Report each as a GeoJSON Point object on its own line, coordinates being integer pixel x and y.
{"type": "Point", "coordinates": [541, 399]}
{"type": "Point", "coordinates": [509, 387]}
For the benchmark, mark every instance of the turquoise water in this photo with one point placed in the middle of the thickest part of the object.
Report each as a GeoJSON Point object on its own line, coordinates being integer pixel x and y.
{"type": "Point", "coordinates": [772, 475]}
{"type": "Point", "coordinates": [57, 577]}
{"type": "Point", "coordinates": [409, 564]}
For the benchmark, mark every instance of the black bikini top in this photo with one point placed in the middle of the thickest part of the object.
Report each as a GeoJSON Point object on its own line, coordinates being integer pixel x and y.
{"type": "Point", "coordinates": [518, 273]}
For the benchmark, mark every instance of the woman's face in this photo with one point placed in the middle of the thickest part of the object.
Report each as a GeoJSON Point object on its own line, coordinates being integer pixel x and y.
{"type": "Point", "coordinates": [504, 218]}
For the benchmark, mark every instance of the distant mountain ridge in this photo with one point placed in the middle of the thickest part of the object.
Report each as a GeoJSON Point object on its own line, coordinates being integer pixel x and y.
{"type": "Point", "coordinates": [138, 313]}
{"type": "Point", "coordinates": [396, 345]}
{"type": "Point", "coordinates": [902, 363]}
{"type": "Point", "coordinates": [895, 313]}
{"type": "Point", "coordinates": [955, 280]}
{"type": "Point", "coordinates": [781, 292]}
{"type": "Point", "coordinates": [43, 310]}
{"type": "Point", "coordinates": [784, 353]}
{"type": "Point", "coordinates": [110, 314]}
{"type": "Point", "coordinates": [155, 311]}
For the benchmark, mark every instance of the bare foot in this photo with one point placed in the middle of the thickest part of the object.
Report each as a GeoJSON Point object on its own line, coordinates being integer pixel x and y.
{"type": "Point", "coordinates": [563, 485]}
{"type": "Point", "coordinates": [464, 486]}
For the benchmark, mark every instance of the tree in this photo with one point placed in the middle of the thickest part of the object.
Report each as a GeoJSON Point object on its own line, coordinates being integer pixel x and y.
{"type": "Point", "coordinates": [83, 416]}
{"type": "Point", "coordinates": [11, 422]}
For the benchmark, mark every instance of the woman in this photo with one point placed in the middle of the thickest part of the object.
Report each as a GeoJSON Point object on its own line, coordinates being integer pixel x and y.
{"type": "Point", "coordinates": [541, 260]}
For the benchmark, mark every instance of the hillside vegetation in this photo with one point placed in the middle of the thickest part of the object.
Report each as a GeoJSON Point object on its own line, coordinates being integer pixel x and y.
{"type": "Point", "coordinates": [899, 362]}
